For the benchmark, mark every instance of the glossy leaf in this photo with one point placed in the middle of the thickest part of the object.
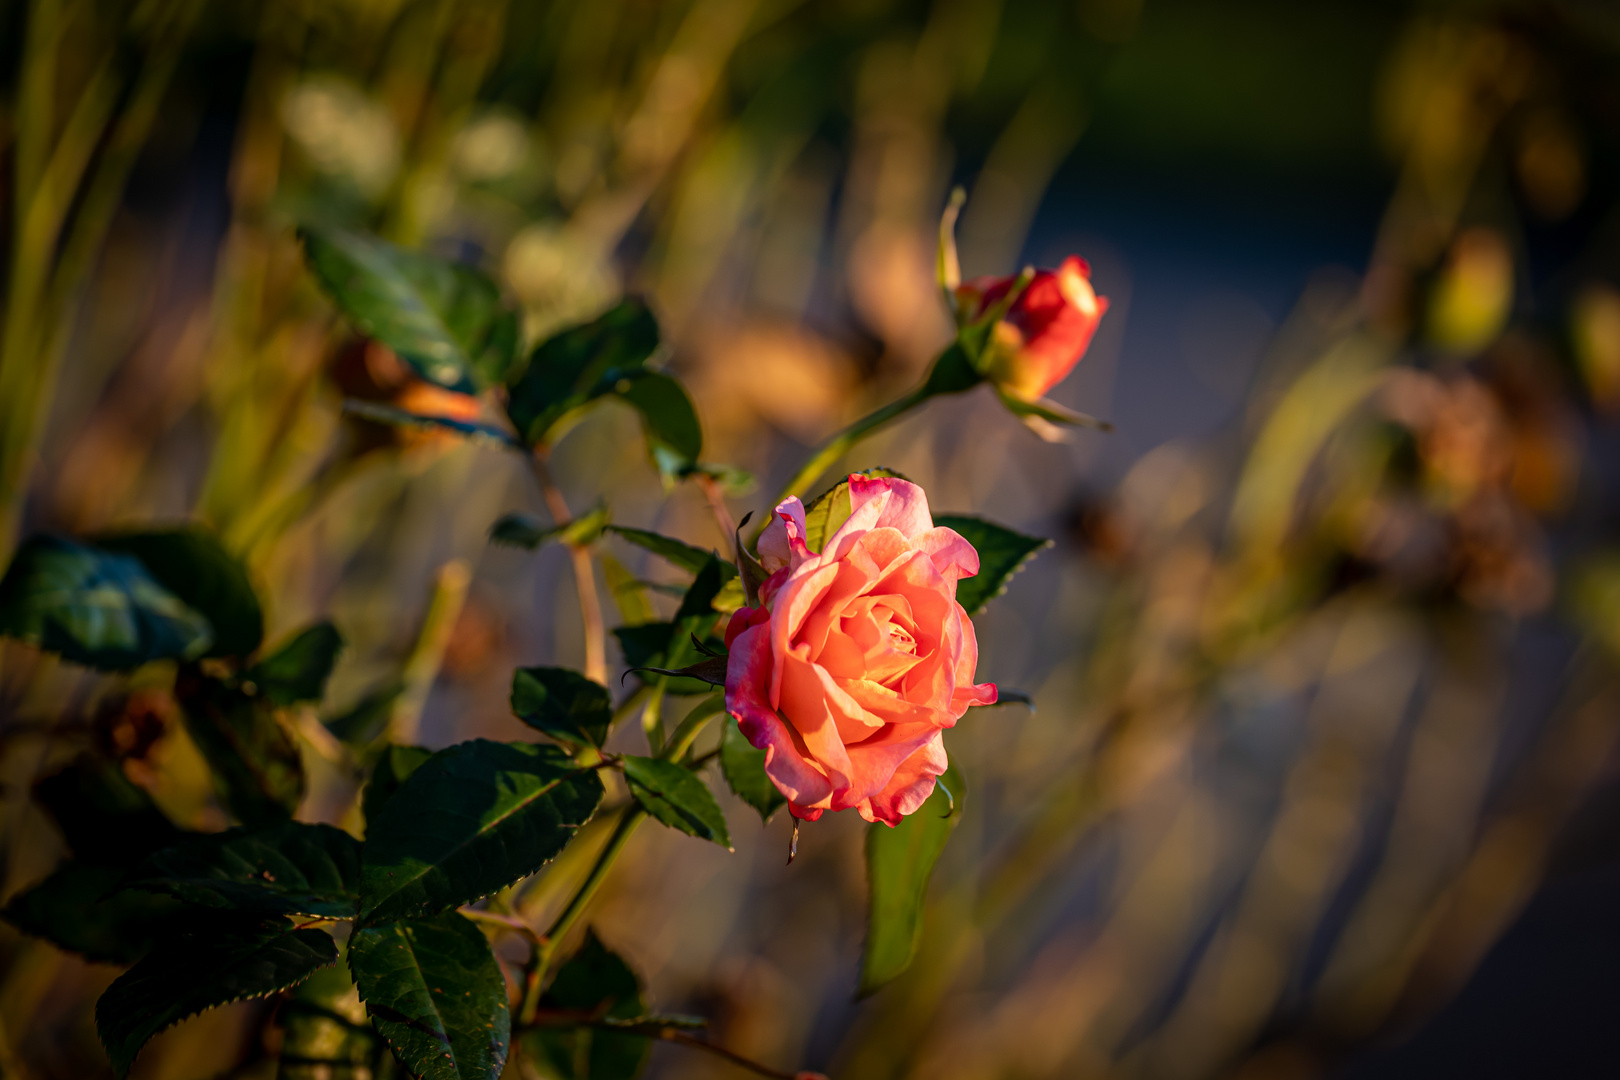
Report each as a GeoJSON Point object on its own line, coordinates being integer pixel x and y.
{"type": "Point", "coordinates": [562, 703]}
{"type": "Point", "coordinates": [81, 909]}
{"type": "Point", "coordinates": [192, 563]}
{"type": "Point", "coordinates": [97, 608]}
{"type": "Point", "coordinates": [594, 981]}
{"type": "Point", "coordinates": [216, 965]}
{"type": "Point", "coordinates": [286, 869]}
{"type": "Point", "coordinates": [1002, 553]}
{"type": "Point", "coordinates": [299, 669]}
{"type": "Point", "coordinates": [394, 766]}
{"type": "Point", "coordinates": [256, 765]}
{"type": "Point", "coordinates": [676, 797]}
{"type": "Point", "coordinates": [579, 364]}
{"type": "Point", "coordinates": [470, 821]}
{"type": "Point", "coordinates": [104, 817]}
{"type": "Point", "coordinates": [899, 862]}
{"type": "Point", "coordinates": [668, 420]}
{"type": "Point", "coordinates": [436, 995]}
{"type": "Point", "coordinates": [471, 430]}
{"type": "Point", "coordinates": [827, 512]}
{"type": "Point", "coordinates": [521, 530]}
{"type": "Point", "coordinates": [443, 319]}
{"type": "Point", "coordinates": [744, 769]}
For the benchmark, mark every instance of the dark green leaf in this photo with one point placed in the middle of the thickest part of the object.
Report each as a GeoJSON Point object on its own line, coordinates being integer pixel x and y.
{"type": "Point", "coordinates": [96, 608]}
{"type": "Point", "coordinates": [521, 530]}
{"type": "Point", "coordinates": [576, 365]}
{"type": "Point", "coordinates": [324, 1032]}
{"type": "Point", "coordinates": [436, 995]}
{"type": "Point", "coordinates": [674, 796]}
{"type": "Point", "coordinates": [472, 820]}
{"type": "Point", "coordinates": [191, 563]}
{"type": "Point", "coordinates": [256, 766]}
{"type": "Point", "coordinates": [679, 552]}
{"type": "Point", "coordinates": [393, 768]}
{"type": "Point", "coordinates": [744, 769]}
{"type": "Point", "coordinates": [670, 645]}
{"type": "Point", "coordinates": [674, 436]}
{"type": "Point", "coordinates": [397, 417]}
{"type": "Point", "coordinates": [443, 319]}
{"type": "Point", "coordinates": [299, 669]}
{"type": "Point", "coordinates": [286, 869]}
{"type": "Point", "coordinates": [103, 816]}
{"type": "Point", "coordinates": [368, 719]}
{"type": "Point", "coordinates": [562, 703]}
{"type": "Point", "coordinates": [597, 982]}
{"type": "Point", "coordinates": [827, 512]}
{"type": "Point", "coordinates": [899, 862]}
{"type": "Point", "coordinates": [214, 966]}
{"type": "Point", "coordinates": [1002, 553]}
{"type": "Point", "coordinates": [81, 909]}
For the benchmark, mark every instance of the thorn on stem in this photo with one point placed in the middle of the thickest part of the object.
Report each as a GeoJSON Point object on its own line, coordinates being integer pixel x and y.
{"type": "Point", "coordinates": [793, 842]}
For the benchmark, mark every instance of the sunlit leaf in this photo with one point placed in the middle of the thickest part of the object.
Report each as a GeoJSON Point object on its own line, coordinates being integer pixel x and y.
{"type": "Point", "coordinates": [676, 797]}
{"type": "Point", "coordinates": [192, 563]}
{"type": "Point", "coordinates": [96, 608]}
{"type": "Point", "coordinates": [899, 862]}
{"type": "Point", "coordinates": [81, 909]}
{"type": "Point", "coordinates": [744, 769]}
{"type": "Point", "coordinates": [471, 430]}
{"type": "Point", "coordinates": [287, 869]}
{"type": "Point", "coordinates": [299, 669]}
{"type": "Point", "coordinates": [443, 319]}
{"type": "Point", "coordinates": [596, 982]}
{"type": "Point", "coordinates": [562, 703]}
{"type": "Point", "coordinates": [521, 530]}
{"type": "Point", "coordinates": [214, 965]}
{"type": "Point", "coordinates": [1002, 553]}
{"type": "Point", "coordinates": [436, 995]}
{"type": "Point", "coordinates": [471, 820]}
{"type": "Point", "coordinates": [256, 765]}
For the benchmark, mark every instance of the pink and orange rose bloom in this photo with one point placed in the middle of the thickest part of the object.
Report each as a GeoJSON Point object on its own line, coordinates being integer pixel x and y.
{"type": "Point", "coordinates": [859, 657]}
{"type": "Point", "coordinates": [1045, 332]}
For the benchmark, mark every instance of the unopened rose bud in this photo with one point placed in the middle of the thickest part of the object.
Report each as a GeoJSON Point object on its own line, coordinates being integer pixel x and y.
{"type": "Point", "coordinates": [1043, 334]}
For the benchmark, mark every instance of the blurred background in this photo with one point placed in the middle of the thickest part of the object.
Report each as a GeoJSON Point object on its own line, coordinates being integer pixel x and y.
{"type": "Point", "coordinates": [1321, 777]}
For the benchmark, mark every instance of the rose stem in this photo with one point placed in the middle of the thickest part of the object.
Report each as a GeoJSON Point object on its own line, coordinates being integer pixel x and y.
{"type": "Point", "coordinates": [840, 444]}
{"type": "Point", "coordinates": [590, 604]}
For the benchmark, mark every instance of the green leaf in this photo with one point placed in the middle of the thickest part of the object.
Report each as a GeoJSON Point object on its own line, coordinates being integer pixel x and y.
{"type": "Point", "coordinates": [470, 821]}
{"type": "Point", "coordinates": [96, 608]}
{"type": "Point", "coordinates": [1002, 553]}
{"type": "Point", "coordinates": [192, 564]}
{"type": "Point", "coordinates": [597, 982]}
{"type": "Point", "coordinates": [299, 669]}
{"type": "Point", "coordinates": [686, 556]}
{"type": "Point", "coordinates": [899, 862]}
{"type": "Point", "coordinates": [562, 703]}
{"type": "Point", "coordinates": [367, 720]}
{"type": "Point", "coordinates": [256, 765]}
{"type": "Point", "coordinates": [670, 645]}
{"type": "Point", "coordinates": [674, 796]}
{"type": "Point", "coordinates": [1050, 411]}
{"type": "Point", "coordinates": [393, 768]}
{"type": "Point", "coordinates": [577, 365]}
{"type": "Point", "coordinates": [216, 965]}
{"type": "Point", "coordinates": [286, 869]}
{"type": "Point", "coordinates": [393, 416]}
{"type": "Point", "coordinates": [828, 511]}
{"type": "Point", "coordinates": [104, 817]}
{"type": "Point", "coordinates": [436, 995]}
{"type": "Point", "coordinates": [521, 530]}
{"type": "Point", "coordinates": [443, 319]}
{"type": "Point", "coordinates": [744, 769]}
{"type": "Point", "coordinates": [670, 424]}
{"type": "Point", "coordinates": [629, 595]}
{"type": "Point", "coordinates": [325, 1034]}
{"type": "Point", "coordinates": [81, 909]}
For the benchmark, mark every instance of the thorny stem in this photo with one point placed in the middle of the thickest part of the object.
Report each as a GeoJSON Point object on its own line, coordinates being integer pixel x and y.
{"type": "Point", "coordinates": [549, 941]}
{"type": "Point", "coordinates": [590, 604]}
{"type": "Point", "coordinates": [840, 444]}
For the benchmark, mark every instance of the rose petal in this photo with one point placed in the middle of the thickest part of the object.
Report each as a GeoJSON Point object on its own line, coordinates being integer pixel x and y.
{"type": "Point", "coordinates": [787, 761]}
{"type": "Point", "coordinates": [913, 781]}
{"type": "Point", "coordinates": [781, 544]}
{"type": "Point", "coordinates": [953, 556]}
{"type": "Point", "coordinates": [905, 508]}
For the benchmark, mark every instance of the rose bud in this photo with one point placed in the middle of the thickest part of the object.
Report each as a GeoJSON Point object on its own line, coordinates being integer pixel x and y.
{"type": "Point", "coordinates": [858, 657]}
{"type": "Point", "coordinates": [1045, 332]}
